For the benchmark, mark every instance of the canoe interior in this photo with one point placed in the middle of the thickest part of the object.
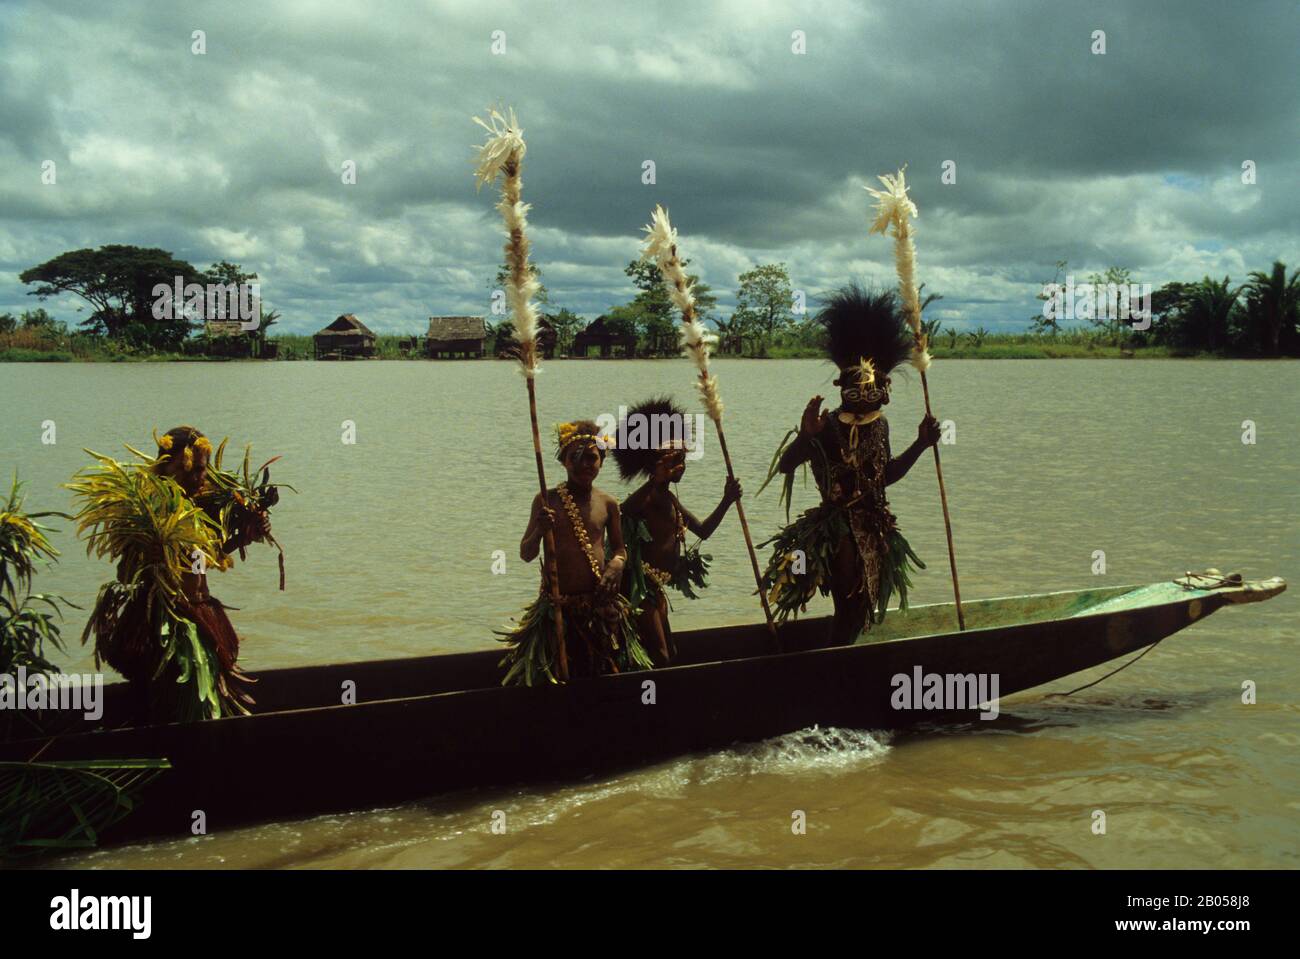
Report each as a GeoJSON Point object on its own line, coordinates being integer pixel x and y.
{"type": "Point", "coordinates": [314, 687]}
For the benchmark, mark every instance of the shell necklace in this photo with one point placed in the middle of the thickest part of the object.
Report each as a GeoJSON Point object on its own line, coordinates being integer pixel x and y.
{"type": "Point", "coordinates": [579, 527]}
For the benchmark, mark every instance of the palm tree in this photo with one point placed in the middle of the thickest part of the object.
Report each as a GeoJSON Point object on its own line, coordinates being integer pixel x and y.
{"type": "Point", "coordinates": [728, 334]}
{"type": "Point", "coordinates": [1208, 311]}
{"type": "Point", "coordinates": [977, 336]}
{"type": "Point", "coordinates": [1273, 300]}
{"type": "Point", "coordinates": [928, 298]}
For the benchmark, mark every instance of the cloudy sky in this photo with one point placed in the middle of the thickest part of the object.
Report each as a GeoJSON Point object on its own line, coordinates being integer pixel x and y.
{"type": "Point", "coordinates": [1131, 158]}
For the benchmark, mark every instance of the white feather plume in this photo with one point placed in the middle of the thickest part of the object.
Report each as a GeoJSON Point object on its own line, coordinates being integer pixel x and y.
{"type": "Point", "coordinates": [895, 208]}
{"type": "Point", "coordinates": [502, 156]}
{"type": "Point", "coordinates": [505, 137]}
{"type": "Point", "coordinates": [696, 341]}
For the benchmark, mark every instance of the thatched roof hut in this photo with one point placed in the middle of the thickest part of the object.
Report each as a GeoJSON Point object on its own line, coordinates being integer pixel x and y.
{"type": "Point", "coordinates": [227, 338]}
{"type": "Point", "coordinates": [455, 335]}
{"type": "Point", "coordinates": [347, 338]}
{"type": "Point", "coordinates": [599, 334]}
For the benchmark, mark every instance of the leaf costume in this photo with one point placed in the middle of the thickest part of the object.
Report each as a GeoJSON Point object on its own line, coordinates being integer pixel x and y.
{"type": "Point", "coordinates": [600, 638]}
{"type": "Point", "coordinates": [849, 469]}
{"type": "Point", "coordinates": [155, 622]}
{"type": "Point", "coordinates": [853, 527]}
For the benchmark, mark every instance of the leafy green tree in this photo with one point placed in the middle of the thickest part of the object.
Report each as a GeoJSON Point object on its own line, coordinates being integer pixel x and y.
{"type": "Point", "coordinates": [1111, 327]}
{"type": "Point", "coordinates": [118, 281]}
{"type": "Point", "coordinates": [39, 319]}
{"type": "Point", "coordinates": [764, 302]}
{"type": "Point", "coordinates": [729, 334]}
{"type": "Point", "coordinates": [1040, 325]}
{"type": "Point", "coordinates": [542, 298]}
{"type": "Point", "coordinates": [1208, 310]}
{"type": "Point", "coordinates": [8, 323]}
{"type": "Point", "coordinates": [567, 325]}
{"type": "Point", "coordinates": [229, 274]}
{"type": "Point", "coordinates": [659, 319]}
{"type": "Point", "coordinates": [1272, 303]}
{"type": "Point", "coordinates": [627, 319]}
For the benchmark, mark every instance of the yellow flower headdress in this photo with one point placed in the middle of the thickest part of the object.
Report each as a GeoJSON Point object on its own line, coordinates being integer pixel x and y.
{"type": "Point", "coordinates": [566, 434]}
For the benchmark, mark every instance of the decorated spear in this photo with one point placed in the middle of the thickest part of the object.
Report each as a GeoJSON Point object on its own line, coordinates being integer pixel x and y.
{"type": "Point", "coordinates": [502, 156]}
{"type": "Point", "coordinates": [895, 208]}
{"type": "Point", "coordinates": [661, 246]}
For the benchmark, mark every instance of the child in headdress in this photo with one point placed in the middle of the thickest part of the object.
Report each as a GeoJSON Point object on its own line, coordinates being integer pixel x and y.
{"type": "Point", "coordinates": [599, 635]}
{"type": "Point", "coordinates": [653, 441]}
{"type": "Point", "coordinates": [850, 545]}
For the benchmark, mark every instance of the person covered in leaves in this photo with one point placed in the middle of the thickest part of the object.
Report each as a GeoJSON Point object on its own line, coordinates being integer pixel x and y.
{"type": "Point", "coordinates": [652, 442]}
{"type": "Point", "coordinates": [849, 545]}
{"type": "Point", "coordinates": [599, 635]}
{"type": "Point", "coordinates": [167, 521]}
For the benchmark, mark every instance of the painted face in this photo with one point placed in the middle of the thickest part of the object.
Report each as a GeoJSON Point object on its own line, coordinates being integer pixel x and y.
{"type": "Point", "coordinates": [866, 397]}
{"type": "Point", "coordinates": [671, 465]}
{"type": "Point", "coordinates": [583, 460]}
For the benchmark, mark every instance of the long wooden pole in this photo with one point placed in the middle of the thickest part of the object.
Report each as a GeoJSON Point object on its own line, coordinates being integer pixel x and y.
{"type": "Point", "coordinates": [947, 522]}
{"type": "Point", "coordinates": [502, 156]}
{"type": "Point", "coordinates": [894, 208]}
{"type": "Point", "coordinates": [661, 246]}
{"type": "Point", "coordinates": [552, 573]}
{"type": "Point", "coordinates": [749, 541]}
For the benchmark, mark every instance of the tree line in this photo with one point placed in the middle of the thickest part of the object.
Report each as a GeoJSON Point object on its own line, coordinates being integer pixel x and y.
{"type": "Point", "coordinates": [1256, 317]}
{"type": "Point", "coordinates": [118, 283]}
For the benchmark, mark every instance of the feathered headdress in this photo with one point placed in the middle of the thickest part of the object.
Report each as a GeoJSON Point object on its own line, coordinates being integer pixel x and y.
{"type": "Point", "coordinates": [644, 431]}
{"type": "Point", "coordinates": [866, 331]}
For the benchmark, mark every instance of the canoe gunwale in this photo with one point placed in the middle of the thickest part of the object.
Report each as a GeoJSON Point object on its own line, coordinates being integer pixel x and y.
{"type": "Point", "coordinates": [1249, 591]}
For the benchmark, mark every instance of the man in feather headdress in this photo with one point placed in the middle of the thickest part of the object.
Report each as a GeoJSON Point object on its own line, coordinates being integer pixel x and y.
{"type": "Point", "coordinates": [166, 522]}
{"type": "Point", "coordinates": [599, 634]}
{"type": "Point", "coordinates": [652, 443]}
{"type": "Point", "coordinates": [850, 545]}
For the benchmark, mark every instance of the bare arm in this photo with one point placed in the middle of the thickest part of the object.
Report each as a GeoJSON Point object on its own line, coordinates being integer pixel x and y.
{"type": "Point", "coordinates": [814, 420]}
{"type": "Point", "coordinates": [613, 576]}
{"type": "Point", "coordinates": [927, 434]}
{"type": "Point", "coordinates": [730, 494]}
{"type": "Point", "coordinates": [540, 522]}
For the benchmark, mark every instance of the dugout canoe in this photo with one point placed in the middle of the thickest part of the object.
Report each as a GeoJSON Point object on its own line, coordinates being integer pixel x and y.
{"type": "Point", "coordinates": [432, 724]}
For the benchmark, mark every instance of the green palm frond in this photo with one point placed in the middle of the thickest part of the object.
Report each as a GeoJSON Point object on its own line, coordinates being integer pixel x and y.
{"type": "Point", "coordinates": [48, 806]}
{"type": "Point", "coordinates": [26, 627]}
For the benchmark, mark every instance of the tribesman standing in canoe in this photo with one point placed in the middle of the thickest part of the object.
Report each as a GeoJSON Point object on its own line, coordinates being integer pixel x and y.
{"type": "Point", "coordinates": [599, 633]}
{"type": "Point", "coordinates": [850, 545]}
{"type": "Point", "coordinates": [652, 443]}
{"type": "Point", "coordinates": [166, 521]}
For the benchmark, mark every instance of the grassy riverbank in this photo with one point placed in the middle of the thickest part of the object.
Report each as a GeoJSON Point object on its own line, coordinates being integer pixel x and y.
{"type": "Point", "coordinates": [1008, 346]}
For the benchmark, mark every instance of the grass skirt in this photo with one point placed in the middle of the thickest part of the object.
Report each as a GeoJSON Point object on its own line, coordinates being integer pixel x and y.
{"type": "Point", "coordinates": [595, 644]}
{"type": "Point", "coordinates": [802, 560]}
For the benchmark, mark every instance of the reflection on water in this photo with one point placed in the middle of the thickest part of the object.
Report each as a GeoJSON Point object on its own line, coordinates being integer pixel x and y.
{"type": "Point", "coordinates": [390, 546]}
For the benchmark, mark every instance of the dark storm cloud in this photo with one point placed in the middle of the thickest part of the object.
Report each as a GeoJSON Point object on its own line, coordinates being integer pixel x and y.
{"type": "Point", "coordinates": [1131, 158]}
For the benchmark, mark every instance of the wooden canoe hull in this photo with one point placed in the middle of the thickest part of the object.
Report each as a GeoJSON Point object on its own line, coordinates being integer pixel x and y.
{"type": "Point", "coordinates": [435, 724]}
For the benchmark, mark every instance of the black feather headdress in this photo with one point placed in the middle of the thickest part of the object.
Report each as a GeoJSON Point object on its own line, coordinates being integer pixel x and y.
{"type": "Point", "coordinates": [864, 324]}
{"type": "Point", "coordinates": [643, 433]}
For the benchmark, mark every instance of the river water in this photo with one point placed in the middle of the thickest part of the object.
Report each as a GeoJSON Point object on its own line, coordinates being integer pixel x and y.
{"type": "Point", "coordinates": [390, 545]}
